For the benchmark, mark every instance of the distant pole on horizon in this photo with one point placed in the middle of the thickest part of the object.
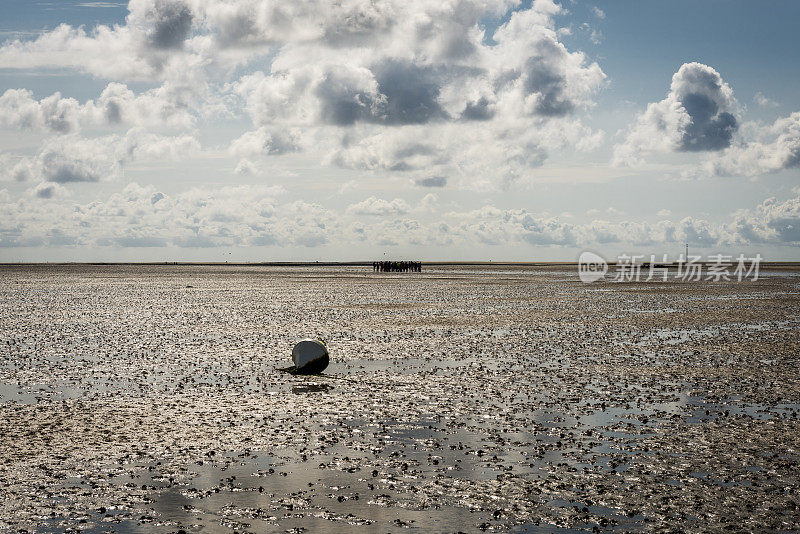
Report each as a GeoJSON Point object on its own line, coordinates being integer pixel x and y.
{"type": "Point", "coordinates": [687, 251]}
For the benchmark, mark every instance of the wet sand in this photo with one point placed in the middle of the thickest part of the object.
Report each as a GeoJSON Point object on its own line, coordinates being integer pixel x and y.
{"type": "Point", "coordinates": [469, 398]}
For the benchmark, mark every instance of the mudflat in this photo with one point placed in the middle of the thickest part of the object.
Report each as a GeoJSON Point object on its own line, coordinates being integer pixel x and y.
{"type": "Point", "coordinates": [463, 398]}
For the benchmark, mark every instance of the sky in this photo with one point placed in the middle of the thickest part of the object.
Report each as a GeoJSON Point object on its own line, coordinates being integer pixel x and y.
{"type": "Point", "coordinates": [261, 130]}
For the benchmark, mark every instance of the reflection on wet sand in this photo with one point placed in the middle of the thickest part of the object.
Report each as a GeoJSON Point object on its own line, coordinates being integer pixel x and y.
{"type": "Point", "coordinates": [146, 399]}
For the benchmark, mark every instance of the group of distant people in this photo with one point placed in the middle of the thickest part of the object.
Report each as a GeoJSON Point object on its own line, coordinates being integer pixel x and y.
{"type": "Point", "coordinates": [397, 266]}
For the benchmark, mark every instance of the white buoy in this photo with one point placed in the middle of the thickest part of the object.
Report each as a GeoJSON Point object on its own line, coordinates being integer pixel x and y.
{"type": "Point", "coordinates": [310, 357]}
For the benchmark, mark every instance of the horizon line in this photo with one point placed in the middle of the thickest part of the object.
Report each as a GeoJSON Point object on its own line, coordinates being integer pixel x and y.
{"type": "Point", "coordinates": [355, 263]}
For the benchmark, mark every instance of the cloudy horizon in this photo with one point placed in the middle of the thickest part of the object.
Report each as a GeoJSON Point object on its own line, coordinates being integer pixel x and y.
{"type": "Point", "coordinates": [253, 130]}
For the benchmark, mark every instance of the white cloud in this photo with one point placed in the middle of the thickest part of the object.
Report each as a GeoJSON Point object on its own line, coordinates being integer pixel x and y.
{"type": "Point", "coordinates": [429, 202]}
{"type": "Point", "coordinates": [493, 226]}
{"type": "Point", "coordinates": [763, 101]}
{"type": "Point", "coordinates": [144, 216]}
{"type": "Point", "coordinates": [245, 167]}
{"type": "Point", "coordinates": [410, 90]}
{"type": "Point", "coordinates": [264, 141]}
{"type": "Point", "coordinates": [168, 106]}
{"type": "Point", "coordinates": [105, 51]}
{"type": "Point", "coordinates": [166, 22]}
{"type": "Point", "coordinates": [139, 144]}
{"type": "Point", "coordinates": [595, 35]}
{"type": "Point", "coordinates": [490, 156]}
{"type": "Point", "coordinates": [172, 105]}
{"type": "Point", "coordinates": [771, 221]}
{"type": "Point", "coordinates": [14, 168]}
{"type": "Point", "coordinates": [536, 73]}
{"type": "Point", "coordinates": [253, 215]}
{"type": "Point", "coordinates": [423, 96]}
{"type": "Point", "coordinates": [378, 207]}
{"type": "Point", "coordinates": [48, 190]}
{"type": "Point", "coordinates": [397, 149]}
{"type": "Point", "coordinates": [70, 158]}
{"type": "Point", "coordinates": [697, 115]}
{"type": "Point", "coordinates": [350, 81]}
{"type": "Point", "coordinates": [771, 149]}
{"type": "Point", "coordinates": [18, 109]}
